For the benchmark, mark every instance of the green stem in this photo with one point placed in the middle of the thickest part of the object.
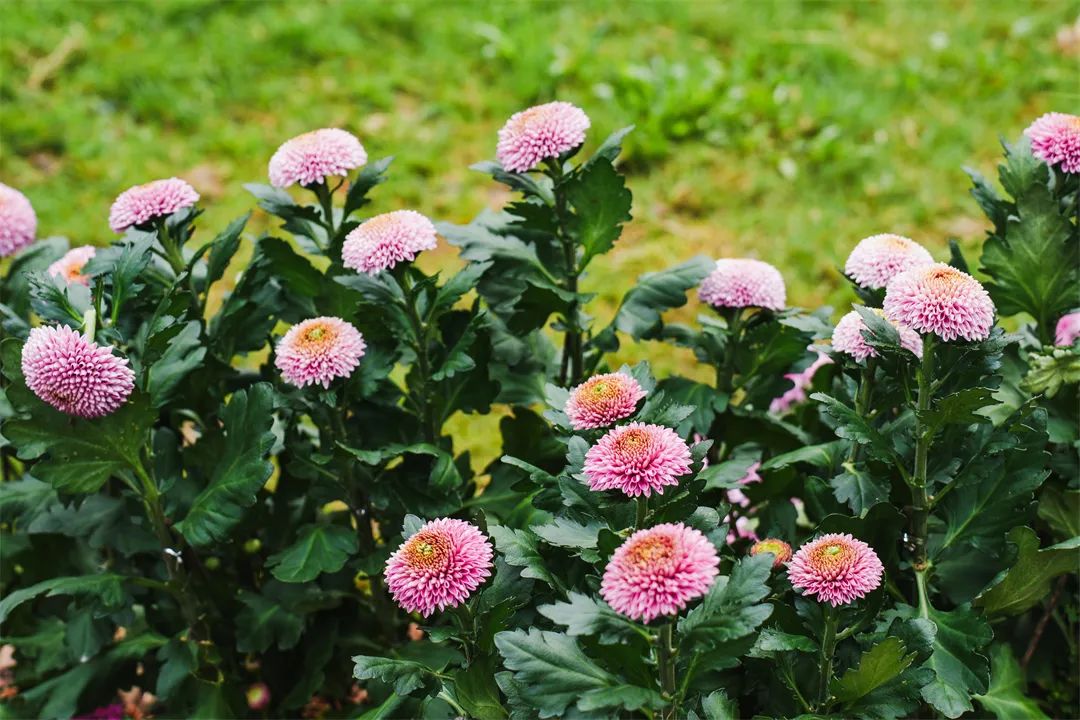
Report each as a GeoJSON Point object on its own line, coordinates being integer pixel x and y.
{"type": "Point", "coordinates": [423, 362]}
{"type": "Point", "coordinates": [642, 512]}
{"type": "Point", "coordinates": [920, 502]}
{"type": "Point", "coordinates": [725, 374]}
{"type": "Point", "coordinates": [862, 403]}
{"type": "Point", "coordinates": [465, 622]}
{"type": "Point", "coordinates": [326, 203]}
{"type": "Point", "coordinates": [445, 697]}
{"type": "Point", "coordinates": [573, 358]}
{"type": "Point", "coordinates": [665, 656]}
{"type": "Point", "coordinates": [828, 647]}
{"type": "Point", "coordinates": [89, 325]}
{"type": "Point", "coordinates": [924, 596]}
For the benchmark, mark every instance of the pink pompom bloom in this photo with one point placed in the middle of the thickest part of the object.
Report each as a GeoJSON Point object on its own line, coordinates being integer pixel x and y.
{"type": "Point", "coordinates": [258, 696]}
{"type": "Point", "coordinates": [837, 568]}
{"type": "Point", "coordinates": [73, 374]}
{"type": "Point", "coordinates": [18, 222]}
{"type": "Point", "coordinates": [439, 566]}
{"type": "Point", "coordinates": [156, 199]}
{"type": "Point", "coordinates": [741, 283]}
{"type": "Point", "coordinates": [602, 400]}
{"type": "Point", "coordinates": [1068, 329]}
{"type": "Point", "coordinates": [658, 571]}
{"type": "Point", "coordinates": [801, 383]}
{"type": "Point", "coordinates": [878, 258]}
{"type": "Point", "coordinates": [319, 350]}
{"type": "Point", "coordinates": [942, 300]}
{"type": "Point", "coordinates": [1055, 139]}
{"type": "Point", "coordinates": [383, 241]}
{"type": "Point", "coordinates": [312, 157]}
{"type": "Point", "coordinates": [637, 459]}
{"type": "Point", "coordinates": [70, 266]}
{"type": "Point", "coordinates": [848, 337]}
{"type": "Point", "coordinates": [780, 549]}
{"type": "Point", "coordinates": [538, 133]}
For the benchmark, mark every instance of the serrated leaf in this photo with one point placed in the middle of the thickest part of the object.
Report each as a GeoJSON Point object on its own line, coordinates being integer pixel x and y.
{"type": "Point", "coordinates": [821, 456]}
{"type": "Point", "coordinates": [372, 174]}
{"type": "Point", "coordinates": [241, 471]}
{"type": "Point", "coordinates": [959, 669]}
{"type": "Point", "coordinates": [184, 353]}
{"type": "Point", "coordinates": [263, 622]}
{"type": "Point", "coordinates": [859, 489]}
{"type": "Point", "coordinates": [601, 203]}
{"type": "Point", "coordinates": [879, 665]}
{"type": "Point", "coordinates": [321, 548]}
{"type": "Point", "coordinates": [223, 248]}
{"type": "Point", "coordinates": [1059, 509]}
{"type": "Point", "coordinates": [732, 609]}
{"type": "Point", "coordinates": [959, 408]}
{"type": "Point", "coordinates": [518, 548]}
{"type": "Point", "coordinates": [639, 313]}
{"type": "Point", "coordinates": [404, 675]}
{"type": "Point", "coordinates": [585, 615]}
{"type": "Point", "coordinates": [718, 706]}
{"type": "Point", "coordinates": [108, 587]}
{"type": "Point", "coordinates": [855, 427]}
{"type": "Point", "coordinates": [1005, 698]}
{"type": "Point", "coordinates": [1027, 581]}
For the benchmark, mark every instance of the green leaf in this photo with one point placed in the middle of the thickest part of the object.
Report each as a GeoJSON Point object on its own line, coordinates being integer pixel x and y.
{"type": "Point", "coordinates": [1060, 509]}
{"type": "Point", "coordinates": [859, 489]}
{"type": "Point", "coordinates": [879, 665]}
{"type": "Point", "coordinates": [374, 173]}
{"type": "Point", "coordinates": [601, 201]}
{"type": "Point", "coordinates": [629, 697]}
{"type": "Point", "coordinates": [264, 622]}
{"type": "Point", "coordinates": [718, 706]}
{"type": "Point", "coordinates": [959, 670]}
{"type": "Point", "coordinates": [733, 607]}
{"type": "Point", "coordinates": [611, 147]}
{"type": "Point", "coordinates": [585, 615]}
{"type": "Point", "coordinates": [820, 456]}
{"type": "Point", "coordinates": [108, 588]}
{"type": "Point", "coordinates": [223, 248]}
{"type": "Point", "coordinates": [1005, 698]}
{"type": "Point", "coordinates": [404, 675]}
{"type": "Point", "coordinates": [639, 313]}
{"type": "Point", "coordinates": [81, 455]}
{"type": "Point", "coordinates": [1027, 581]}
{"type": "Point", "coordinates": [551, 671]}
{"type": "Point", "coordinates": [477, 692]}
{"type": "Point", "coordinates": [854, 427]}
{"type": "Point", "coordinates": [518, 548]}
{"type": "Point", "coordinates": [563, 532]}
{"type": "Point", "coordinates": [241, 470]}
{"type": "Point", "coordinates": [321, 548]}
{"type": "Point", "coordinates": [959, 408]}
{"type": "Point", "coordinates": [184, 353]}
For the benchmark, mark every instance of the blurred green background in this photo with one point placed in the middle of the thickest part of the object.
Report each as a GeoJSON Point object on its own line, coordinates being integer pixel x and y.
{"type": "Point", "coordinates": [781, 130]}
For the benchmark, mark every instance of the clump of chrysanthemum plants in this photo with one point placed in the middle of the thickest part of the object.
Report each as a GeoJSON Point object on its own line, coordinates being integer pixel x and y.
{"type": "Point", "coordinates": [229, 487]}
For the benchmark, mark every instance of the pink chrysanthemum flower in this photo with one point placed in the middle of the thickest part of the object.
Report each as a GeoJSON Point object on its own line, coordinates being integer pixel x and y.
{"type": "Point", "coordinates": [143, 203]}
{"type": "Point", "coordinates": [73, 374]}
{"type": "Point", "coordinates": [848, 337]}
{"type": "Point", "coordinates": [837, 568]}
{"type": "Point", "coordinates": [71, 264]}
{"type": "Point", "coordinates": [878, 258]}
{"type": "Point", "coordinates": [538, 133]}
{"type": "Point", "coordinates": [637, 459]}
{"type": "Point", "coordinates": [658, 571]}
{"type": "Point", "coordinates": [602, 400]}
{"type": "Point", "coordinates": [1068, 329]}
{"type": "Point", "coordinates": [18, 222]}
{"type": "Point", "coordinates": [801, 383]}
{"type": "Point", "coordinates": [318, 350]}
{"type": "Point", "coordinates": [439, 566]}
{"type": "Point", "coordinates": [1055, 139]}
{"type": "Point", "coordinates": [942, 300]}
{"type": "Point", "coordinates": [780, 550]}
{"type": "Point", "coordinates": [312, 157]}
{"type": "Point", "coordinates": [383, 241]}
{"type": "Point", "coordinates": [740, 283]}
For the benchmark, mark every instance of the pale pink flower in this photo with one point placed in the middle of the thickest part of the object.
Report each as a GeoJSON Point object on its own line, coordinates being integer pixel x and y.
{"type": "Point", "coordinates": [942, 300]}
{"type": "Point", "coordinates": [1068, 329]}
{"type": "Point", "coordinates": [659, 570]}
{"type": "Point", "coordinates": [878, 258]}
{"type": "Point", "coordinates": [73, 374]}
{"type": "Point", "coordinates": [439, 566]}
{"type": "Point", "coordinates": [540, 132]}
{"type": "Point", "coordinates": [385, 240]}
{"type": "Point", "coordinates": [18, 222]}
{"type": "Point", "coordinates": [318, 350]}
{"type": "Point", "coordinates": [848, 337]}
{"type": "Point", "coordinates": [780, 550]}
{"type": "Point", "coordinates": [310, 158]}
{"type": "Point", "coordinates": [801, 383]}
{"type": "Point", "coordinates": [637, 459]}
{"type": "Point", "coordinates": [1055, 139]}
{"type": "Point", "coordinates": [71, 264]}
{"type": "Point", "coordinates": [736, 496]}
{"type": "Point", "coordinates": [743, 529]}
{"type": "Point", "coordinates": [602, 400]}
{"type": "Point", "coordinates": [143, 203]}
{"type": "Point", "coordinates": [741, 283]}
{"type": "Point", "coordinates": [837, 568]}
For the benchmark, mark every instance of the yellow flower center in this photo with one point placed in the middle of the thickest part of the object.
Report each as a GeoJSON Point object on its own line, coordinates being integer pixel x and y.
{"type": "Point", "coordinates": [650, 550]}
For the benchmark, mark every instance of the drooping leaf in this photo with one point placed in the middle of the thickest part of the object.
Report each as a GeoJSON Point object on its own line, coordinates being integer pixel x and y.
{"type": "Point", "coordinates": [404, 675]}
{"type": "Point", "coordinates": [106, 587]}
{"type": "Point", "coordinates": [222, 249]}
{"type": "Point", "coordinates": [639, 313]}
{"type": "Point", "coordinates": [1027, 581]}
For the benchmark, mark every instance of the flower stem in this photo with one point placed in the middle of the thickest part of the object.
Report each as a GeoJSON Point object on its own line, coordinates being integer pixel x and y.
{"type": "Point", "coordinates": [862, 403]}
{"type": "Point", "coordinates": [642, 512]}
{"type": "Point", "coordinates": [725, 373]}
{"type": "Point", "coordinates": [920, 502]}
{"type": "Point", "coordinates": [423, 362]}
{"type": "Point", "coordinates": [828, 647]}
{"type": "Point", "coordinates": [326, 203]}
{"type": "Point", "coordinates": [573, 358]}
{"type": "Point", "coordinates": [665, 657]}
{"type": "Point", "coordinates": [90, 324]}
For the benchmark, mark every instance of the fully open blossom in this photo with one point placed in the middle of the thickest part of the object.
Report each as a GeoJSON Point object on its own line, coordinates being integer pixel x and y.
{"type": "Point", "coordinates": [837, 568]}
{"type": "Point", "coordinates": [637, 459]}
{"type": "Point", "coordinates": [73, 374]}
{"type": "Point", "coordinates": [439, 566]}
{"type": "Point", "coordinates": [801, 382]}
{"type": "Point", "coordinates": [780, 549]}
{"type": "Point", "coordinates": [385, 240]}
{"type": "Point", "coordinates": [602, 400]}
{"type": "Point", "coordinates": [18, 222]}
{"type": "Point", "coordinates": [156, 199]}
{"type": "Point", "coordinates": [1055, 139]}
{"type": "Point", "coordinates": [848, 337]}
{"type": "Point", "coordinates": [540, 132]}
{"type": "Point", "coordinates": [741, 283]}
{"type": "Point", "coordinates": [878, 258]}
{"type": "Point", "coordinates": [71, 264]}
{"type": "Point", "coordinates": [1068, 329]}
{"type": "Point", "coordinates": [312, 157]}
{"type": "Point", "coordinates": [659, 570]}
{"type": "Point", "coordinates": [942, 300]}
{"type": "Point", "coordinates": [319, 350]}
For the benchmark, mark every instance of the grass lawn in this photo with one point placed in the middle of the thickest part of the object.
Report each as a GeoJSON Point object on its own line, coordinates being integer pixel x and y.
{"type": "Point", "coordinates": [780, 130]}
